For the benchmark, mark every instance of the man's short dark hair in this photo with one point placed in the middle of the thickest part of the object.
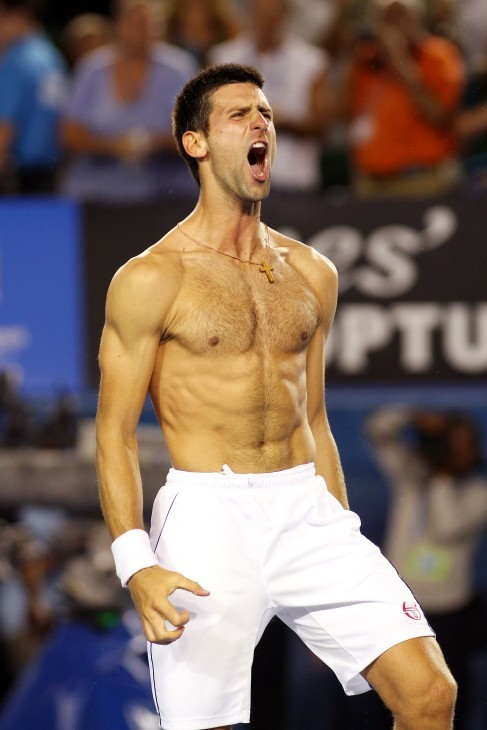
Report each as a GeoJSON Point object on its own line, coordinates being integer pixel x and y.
{"type": "Point", "coordinates": [192, 108]}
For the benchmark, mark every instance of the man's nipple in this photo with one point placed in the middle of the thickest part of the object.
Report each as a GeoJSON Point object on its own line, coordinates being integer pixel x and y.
{"type": "Point", "coordinates": [214, 341]}
{"type": "Point", "coordinates": [304, 336]}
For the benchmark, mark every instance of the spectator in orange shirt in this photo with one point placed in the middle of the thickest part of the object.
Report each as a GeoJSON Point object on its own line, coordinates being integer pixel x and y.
{"type": "Point", "coordinates": [405, 88]}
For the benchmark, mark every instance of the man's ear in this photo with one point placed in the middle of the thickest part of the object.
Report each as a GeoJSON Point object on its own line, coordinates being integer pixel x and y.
{"type": "Point", "coordinates": [195, 144]}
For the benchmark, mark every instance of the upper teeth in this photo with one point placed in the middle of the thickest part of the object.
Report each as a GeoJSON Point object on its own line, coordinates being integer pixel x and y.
{"type": "Point", "coordinates": [258, 144]}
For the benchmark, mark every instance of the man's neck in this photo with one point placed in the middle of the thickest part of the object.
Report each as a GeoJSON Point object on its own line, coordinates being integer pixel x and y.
{"type": "Point", "coordinates": [229, 229]}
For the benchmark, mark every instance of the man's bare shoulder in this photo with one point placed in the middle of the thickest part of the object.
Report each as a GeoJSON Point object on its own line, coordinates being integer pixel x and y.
{"type": "Point", "coordinates": [155, 269]}
{"type": "Point", "coordinates": [147, 283]}
{"type": "Point", "coordinates": [312, 264]}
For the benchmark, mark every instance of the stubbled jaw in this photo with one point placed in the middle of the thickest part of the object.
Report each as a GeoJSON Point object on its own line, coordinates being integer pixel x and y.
{"type": "Point", "coordinates": [258, 159]}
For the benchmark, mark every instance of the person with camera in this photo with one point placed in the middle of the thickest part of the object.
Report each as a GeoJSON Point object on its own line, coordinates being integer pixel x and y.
{"type": "Point", "coordinates": [438, 512]}
{"type": "Point", "coordinates": [404, 89]}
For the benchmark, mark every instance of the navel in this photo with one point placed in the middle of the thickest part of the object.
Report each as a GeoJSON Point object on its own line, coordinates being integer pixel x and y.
{"type": "Point", "coordinates": [214, 341]}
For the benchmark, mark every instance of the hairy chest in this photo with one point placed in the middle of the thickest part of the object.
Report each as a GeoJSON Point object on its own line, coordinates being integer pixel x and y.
{"type": "Point", "coordinates": [225, 308]}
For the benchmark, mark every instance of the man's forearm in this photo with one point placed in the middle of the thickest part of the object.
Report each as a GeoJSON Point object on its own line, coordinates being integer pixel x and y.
{"type": "Point", "coordinates": [331, 470]}
{"type": "Point", "coordinates": [122, 505]}
{"type": "Point", "coordinates": [328, 464]}
{"type": "Point", "coordinates": [120, 486]}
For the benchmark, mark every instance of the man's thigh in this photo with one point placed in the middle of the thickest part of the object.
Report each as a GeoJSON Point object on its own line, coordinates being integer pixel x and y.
{"type": "Point", "coordinates": [402, 672]}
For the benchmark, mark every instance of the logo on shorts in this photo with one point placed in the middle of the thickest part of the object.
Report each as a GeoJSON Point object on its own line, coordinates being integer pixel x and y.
{"type": "Point", "coordinates": [412, 610]}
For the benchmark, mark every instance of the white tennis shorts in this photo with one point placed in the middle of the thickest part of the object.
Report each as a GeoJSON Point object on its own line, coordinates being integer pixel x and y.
{"type": "Point", "coordinates": [264, 545]}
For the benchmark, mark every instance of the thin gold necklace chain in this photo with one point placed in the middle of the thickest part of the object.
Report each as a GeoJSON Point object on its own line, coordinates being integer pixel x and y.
{"type": "Point", "coordinates": [224, 253]}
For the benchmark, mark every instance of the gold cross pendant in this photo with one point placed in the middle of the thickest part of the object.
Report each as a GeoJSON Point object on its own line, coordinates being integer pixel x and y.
{"type": "Point", "coordinates": [267, 270]}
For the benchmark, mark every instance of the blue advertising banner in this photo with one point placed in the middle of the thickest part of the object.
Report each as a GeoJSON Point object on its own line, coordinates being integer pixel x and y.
{"type": "Point", "coordinates": [40, 294]}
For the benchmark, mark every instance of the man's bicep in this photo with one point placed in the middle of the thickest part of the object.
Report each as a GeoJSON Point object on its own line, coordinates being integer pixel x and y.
{"type": "Point", "coordinates": [137, 304]}
{"type": "Point", "coordinates": [316, 361]}
{"type": "Point", "coordinates": [126, 369]}
{"type": "Point", "coordinates": [315, 376]}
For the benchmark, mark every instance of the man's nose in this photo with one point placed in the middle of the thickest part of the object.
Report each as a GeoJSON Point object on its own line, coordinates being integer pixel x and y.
{"type": "Point", "coordinates": [260, 121]}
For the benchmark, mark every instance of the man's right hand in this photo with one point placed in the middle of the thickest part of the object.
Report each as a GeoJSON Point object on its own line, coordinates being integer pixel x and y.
{"type": "Point", "coordinates": [150, 589]}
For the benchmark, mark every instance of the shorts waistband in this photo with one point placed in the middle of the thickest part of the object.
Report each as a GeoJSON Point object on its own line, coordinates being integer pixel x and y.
{"type": "Point", "coordinates": [226, 478]}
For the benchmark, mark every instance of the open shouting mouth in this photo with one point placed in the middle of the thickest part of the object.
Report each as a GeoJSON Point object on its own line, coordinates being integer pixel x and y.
{"type": "Point", "coordinates": [258, 161]}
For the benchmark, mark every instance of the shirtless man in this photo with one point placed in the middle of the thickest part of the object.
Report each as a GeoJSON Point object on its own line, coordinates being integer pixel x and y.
{"type": "Point", "coordinates": [225, 322]}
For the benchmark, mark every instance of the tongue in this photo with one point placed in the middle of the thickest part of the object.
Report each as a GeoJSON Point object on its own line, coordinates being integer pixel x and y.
{"type": "Point", "coordinates": [257, 162]}
{"type": "Point", "coordinates": [256, 168]}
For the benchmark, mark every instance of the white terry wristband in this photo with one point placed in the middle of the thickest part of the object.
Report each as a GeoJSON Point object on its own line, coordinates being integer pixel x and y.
{"type": "Point", "coordinates": [132, 552]}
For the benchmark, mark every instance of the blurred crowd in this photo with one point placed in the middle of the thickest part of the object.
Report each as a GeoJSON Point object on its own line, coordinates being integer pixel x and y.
{"type": "Point", "coordinates": [55, 568]}
{"type": "Point", "coordinates": [434, 466]}
{"type": "Point", "coordinates": [21, 428]}
{"type": "Point", "coordinates": [55, 562]}
{"type": "Point", "coordinates": [371, 97]}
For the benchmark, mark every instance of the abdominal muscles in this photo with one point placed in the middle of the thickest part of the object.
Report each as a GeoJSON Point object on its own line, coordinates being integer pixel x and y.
{"type": "Point", "coordinates": [229, 384]}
